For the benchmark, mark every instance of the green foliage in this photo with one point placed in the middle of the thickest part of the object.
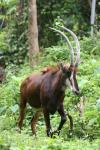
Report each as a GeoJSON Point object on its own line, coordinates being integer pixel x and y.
{"type": "Point", "coordinates": [56, 54]}
{"type": "Point", "coordinates": [75, 15]}
{"type": "Point", "coordinates": [72, 13]}
{"type": "Point", "coordinates": [91, 45]}
{"type": "Point", "coordinates": [13, 36]}
{"type": "Point", "coordinates": [85, 128]}
{"type": "Point", "coordinates": [48, 13]}
{"type": "Point", "coordinates": [18, 25]}
{"type": "Point", "coordinates": [3, 45]}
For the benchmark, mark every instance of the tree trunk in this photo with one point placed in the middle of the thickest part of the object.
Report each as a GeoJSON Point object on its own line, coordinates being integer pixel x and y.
{"type": "Point", "coordinates": [33, 32]}
{"type": "Point", "coordinates": [93, 16]}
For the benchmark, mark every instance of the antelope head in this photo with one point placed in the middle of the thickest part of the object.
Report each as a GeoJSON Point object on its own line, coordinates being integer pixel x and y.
{"type": "Point", "coordinates": [71, 70]}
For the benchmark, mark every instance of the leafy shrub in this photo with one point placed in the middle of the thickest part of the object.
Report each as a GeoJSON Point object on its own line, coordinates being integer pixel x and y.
{"type": "Point", "coordinates": [91, 45]}
{"type": "Point", "coordinates": [85, 127]}
{"type": "Point", "coordinates": [3, 44]}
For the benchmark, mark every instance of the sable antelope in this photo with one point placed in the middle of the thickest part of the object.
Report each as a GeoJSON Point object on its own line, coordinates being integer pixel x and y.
{"type": "Point", "coordinates": [46, 90]}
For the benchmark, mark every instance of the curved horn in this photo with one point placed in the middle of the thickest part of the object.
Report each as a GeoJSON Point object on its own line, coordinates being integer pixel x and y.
{"type": "Point", "coordinates": [69, 44]}
{"type": "Point", "coordinates": [77, 44]}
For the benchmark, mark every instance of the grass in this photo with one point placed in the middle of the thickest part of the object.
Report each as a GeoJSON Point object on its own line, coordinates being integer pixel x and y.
{"type": "Point", "coordinates": [86, 129]}
{"type": "Point", "coordinates": [15, 141]}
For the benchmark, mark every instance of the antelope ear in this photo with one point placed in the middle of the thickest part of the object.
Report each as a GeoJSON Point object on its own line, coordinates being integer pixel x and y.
{"type": "Point", "coordinates": [71, 66]}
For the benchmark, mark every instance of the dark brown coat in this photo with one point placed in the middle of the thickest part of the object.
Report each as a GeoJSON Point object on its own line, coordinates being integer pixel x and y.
{"type": "Point", "coordinates": [45, 90]}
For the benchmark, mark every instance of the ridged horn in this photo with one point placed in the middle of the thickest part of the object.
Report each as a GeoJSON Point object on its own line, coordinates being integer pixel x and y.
{"type": "Point", "coordinates": [69, 44]}
{"type": "Point", "coordinates": [77, 44]}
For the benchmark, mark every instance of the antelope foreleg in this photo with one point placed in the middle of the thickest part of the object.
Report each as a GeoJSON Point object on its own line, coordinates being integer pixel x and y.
{"type": "Point", "coordinates": [47, 121]}
{"type": "Point", "coordinates": [22, 107]}
{"type": "Point", "coordinates": [63, 118]}
{"type": "Point", "coordinates": [34, 121]}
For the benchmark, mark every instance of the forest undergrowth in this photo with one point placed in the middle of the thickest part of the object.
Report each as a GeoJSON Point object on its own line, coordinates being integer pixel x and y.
{"type": "Point", "coordinates": [86, 134]}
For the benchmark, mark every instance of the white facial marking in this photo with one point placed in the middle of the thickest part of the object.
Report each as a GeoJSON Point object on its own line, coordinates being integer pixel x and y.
{"type": "Point", "coordinates": [73, 82]}
{"type": "Point", "coordinates": [68, 84]}
{"type": "Point", "coordinates": [72, 79]}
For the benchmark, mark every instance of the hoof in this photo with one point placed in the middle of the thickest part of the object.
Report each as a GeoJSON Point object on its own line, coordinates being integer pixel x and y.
{"type": "Point", "coordinates": [55, 132]}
